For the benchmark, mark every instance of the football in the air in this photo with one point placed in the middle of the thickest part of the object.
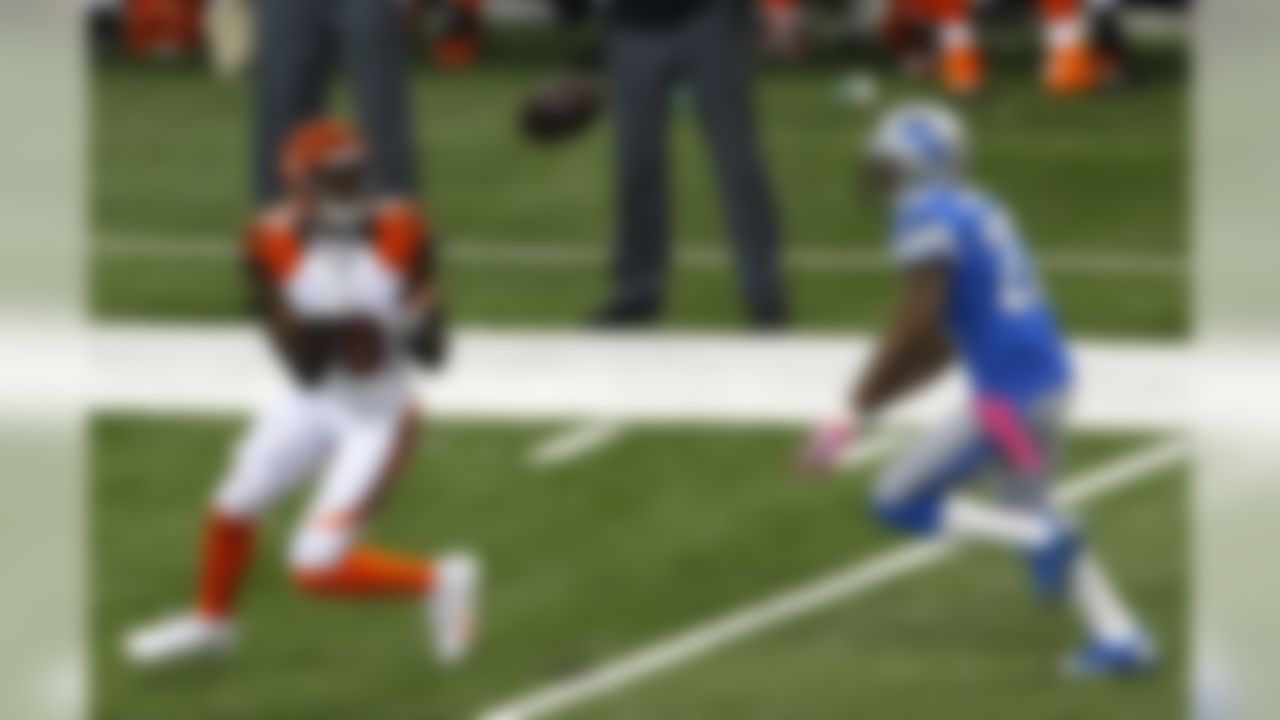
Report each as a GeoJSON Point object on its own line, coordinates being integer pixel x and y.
{"type": "Point", "coordinates": [561, 108]}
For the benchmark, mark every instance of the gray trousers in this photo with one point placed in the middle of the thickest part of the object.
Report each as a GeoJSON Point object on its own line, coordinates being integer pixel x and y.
{"type": "Point", "coordinates": [300, 44]}
{"type": "Point", "coordinates": [712, 52]}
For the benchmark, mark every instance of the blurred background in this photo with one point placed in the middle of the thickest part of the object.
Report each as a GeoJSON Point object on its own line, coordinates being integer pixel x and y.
{"type": "Point", "coordinates": [528, 228]}
{"type": "Point", "coordinates": [649, 468]}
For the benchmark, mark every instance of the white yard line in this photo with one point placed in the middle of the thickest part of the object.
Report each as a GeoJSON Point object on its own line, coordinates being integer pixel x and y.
{"type": "Point", "coordinates": [859, 579]}
{"type": "Point", "coordinates": [648, 377]}
{"type": "Point", "coordinates": [575, 443]}
{"type": "Point", "coordinates": [593, 256]}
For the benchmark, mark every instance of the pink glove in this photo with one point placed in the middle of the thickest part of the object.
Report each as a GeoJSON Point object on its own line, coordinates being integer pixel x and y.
{"type": "Point", "coordinates": [826, 445]}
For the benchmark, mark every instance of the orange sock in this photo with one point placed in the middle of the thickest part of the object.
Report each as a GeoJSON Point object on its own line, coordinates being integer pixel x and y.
{"type": "Point", "coordinates": [459, 47]}
{"type": "Point", "coordinates": [1071, 68]}
{"type": "Point", "coordinates": [228, 548]}
{"type": "Point", "coordinates": [370, 572]}
{"type": "Point", "coordinates": [961, 62]}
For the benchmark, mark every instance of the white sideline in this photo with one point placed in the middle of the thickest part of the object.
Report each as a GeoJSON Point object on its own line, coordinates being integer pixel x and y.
{"type": "Point", "coordinates": [571, 376]}
{"type": "Point", "coordinates": [855, 580]}
{"type": "Point", "coordinates": [585, 438]}
{"type": "Point", "coordinates": [593, 256]}
{"type": "Point", "coordinates": [574, 443]}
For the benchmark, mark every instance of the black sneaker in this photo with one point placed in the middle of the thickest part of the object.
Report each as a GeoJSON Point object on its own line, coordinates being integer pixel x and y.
{"type": "Point", "coordinates": [770, 321]}
{"type": "Point", "coordinates": [623, 316]}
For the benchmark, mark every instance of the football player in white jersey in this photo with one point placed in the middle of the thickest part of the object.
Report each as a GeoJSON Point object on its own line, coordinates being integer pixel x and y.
{"type": "Point", "coordinates": [342, 282]}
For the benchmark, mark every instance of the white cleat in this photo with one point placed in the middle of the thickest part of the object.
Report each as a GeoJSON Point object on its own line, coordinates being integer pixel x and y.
{"type": "Point", "coordinates": [185, 637]}
{"type": "Point", "coordinates": [452, 606]}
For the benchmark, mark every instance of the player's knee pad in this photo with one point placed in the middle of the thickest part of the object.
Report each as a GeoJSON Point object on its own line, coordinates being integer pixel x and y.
{"type": "Point", "coordinates": [918, 515]}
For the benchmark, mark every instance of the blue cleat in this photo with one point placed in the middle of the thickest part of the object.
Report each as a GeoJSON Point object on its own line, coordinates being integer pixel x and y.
{"type": "Point", "coordinates": [1051, 566]}
{"type": "Point", "coordinates": [1101, 659]}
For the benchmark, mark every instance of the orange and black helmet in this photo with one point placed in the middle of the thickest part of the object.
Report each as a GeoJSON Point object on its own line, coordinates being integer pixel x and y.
{"type": "Point", "coordinates": [315, 144]}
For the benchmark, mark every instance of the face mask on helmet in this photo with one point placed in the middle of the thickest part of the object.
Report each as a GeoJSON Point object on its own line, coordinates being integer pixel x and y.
{"type": "Point", "coordinates": [325, 167]}
{"type": "Point", "coordinates": [340, 194]}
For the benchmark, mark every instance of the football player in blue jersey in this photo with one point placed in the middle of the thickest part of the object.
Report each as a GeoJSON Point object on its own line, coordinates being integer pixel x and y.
{"type": "Point", "coordinates": [972, 293]}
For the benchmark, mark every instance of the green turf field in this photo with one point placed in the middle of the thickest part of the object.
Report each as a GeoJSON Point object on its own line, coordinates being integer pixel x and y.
{"type": "Point", "coordinates": [666, 528]}
{"type": "Point", "coordinates": [1107, 176]}
{"type": "Point", "coordinates": [669, 527]}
